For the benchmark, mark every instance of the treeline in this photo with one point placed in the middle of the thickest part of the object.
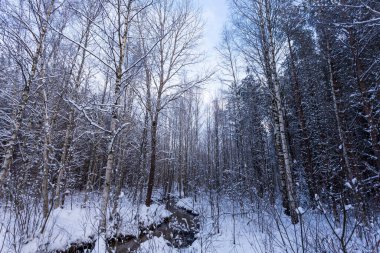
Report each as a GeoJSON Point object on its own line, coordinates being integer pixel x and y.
{"type": "Point", "coordinates": [90, 92]}
{"type": "Point", "coordinates": [98, 96]}
{"type": "Point", "coordinates": [304, 118]}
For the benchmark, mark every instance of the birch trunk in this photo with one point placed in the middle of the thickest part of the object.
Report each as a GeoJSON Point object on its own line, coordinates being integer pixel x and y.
{"type": "Point", "coordinates": [65, 150]}
{"type": "Point", "coordinates": [70, 126]}
{"type": "Point", "coordinates": [91, 174]}
{"type": "Point", "coordinates": [8, 156]}
{"type": "Point", "coordinates": [153, 157]}
{"type": "Point", "coordinates": [46, 148]}
{"type": "Point", "coordinates": [276, 130]}
{"type": "Point", "coordinates": [110, 154]}
{"type": "Point", "coordinates": [287, 170]}
{"type": "Point", "coordinates": [123, 37]}
{"type": "Point", "coordinates": [281, 141]}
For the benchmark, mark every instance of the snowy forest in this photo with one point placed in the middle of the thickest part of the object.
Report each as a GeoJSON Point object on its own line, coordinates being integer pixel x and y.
{"type": "Point", "coordinates": [111, 140]}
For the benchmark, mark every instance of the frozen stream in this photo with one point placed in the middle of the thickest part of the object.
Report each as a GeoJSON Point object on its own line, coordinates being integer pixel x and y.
{"type": "Point", "coordinates": [179, 230]}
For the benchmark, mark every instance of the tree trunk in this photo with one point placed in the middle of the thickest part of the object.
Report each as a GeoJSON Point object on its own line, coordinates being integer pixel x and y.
{"type": "Point", "coordinates": [122, 173]}
{"type": "Point", "coordinates": [110, 150]}
{"type": "Point", "coordinates": [305, 140]}
{"type": "Point", "coordinates": [153, 157]}
{"type": "Point", "coordinates": [70, 125]}
{"type": "Point", "coordinates": [281, 140]}
{"type": "Point", "coordinates": [122, 39]}
{"type": "Point", "coordinates": [286, 157]}
{"type": "Point", "coordinates": [65, 151]}
{"type": "Point", "coordinates": [367, 106]}
{"type": "Point", "coordinates": [336, 113]}
{"type": "Point", "coordinates": [106, 188]}
{"type": "Point", "coordinates": [8, 156]}
{"type": "Point", "coordinates": [90, 174]}
{"type": "Point", "coordinates": [46, 148]}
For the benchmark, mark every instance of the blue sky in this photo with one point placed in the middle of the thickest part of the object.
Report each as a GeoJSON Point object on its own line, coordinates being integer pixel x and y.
{"type": "Point", "coordinates": [215, 13]}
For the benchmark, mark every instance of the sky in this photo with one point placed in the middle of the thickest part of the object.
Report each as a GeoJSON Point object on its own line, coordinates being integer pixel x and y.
{"type": "Point", "coordinates": [214, 13]}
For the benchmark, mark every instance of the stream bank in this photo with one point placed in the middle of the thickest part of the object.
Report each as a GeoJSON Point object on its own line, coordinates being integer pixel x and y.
{"type": "Point", "coordinates": [179, 231]}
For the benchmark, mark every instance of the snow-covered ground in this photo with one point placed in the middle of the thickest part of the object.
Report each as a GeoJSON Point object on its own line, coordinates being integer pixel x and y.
{"type": "Point", "coordinates": [228, 226]}
{"type": "Point", "coordinates": [241, 228]}
{"type": "Point", "coordinates": [73, 224]}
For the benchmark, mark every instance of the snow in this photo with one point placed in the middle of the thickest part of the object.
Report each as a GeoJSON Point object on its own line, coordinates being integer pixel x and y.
{"type": "Point", "coordinates": [75, 224]}
{"type": "Point", "coordinates": [65, 226]}
{"type": "Point", "coordinates": [154, 214]}
{"type": "Point", "coordinates": [156, 244]}
{"type": "Point", "coordinates": [100, 245]}
{"type": "Point", "coordinates": [354, 181]}
{"type": "Point", "coordinates": [338, 231]}
{"type": "Point", "coordinates": [348, 207]}
{"type": "Point", "coordinates": [300, 210]}
{"type": "Point", "coordinates": [239, 228]}
{"type": "Point", "coordinates": [185, 203]}
{"type": "Point", "coordinates": [348, 185]}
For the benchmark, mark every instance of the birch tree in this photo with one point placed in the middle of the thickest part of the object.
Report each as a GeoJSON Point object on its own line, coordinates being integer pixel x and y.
{"type": "Point", "coordinates": [266, 40]}
{"type": "Point", "coordinates": [122, 12]}
{"type": "Point", "coordinates": [91, 12]}
{"type": "Point", "coordinates": [113, 28]}
{"type": "Point", "coordinates": [13, 16]}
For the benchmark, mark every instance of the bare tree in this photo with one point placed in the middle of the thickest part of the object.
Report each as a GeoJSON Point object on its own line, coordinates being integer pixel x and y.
{"type": "Point", "coordinates": [91, 11]}
{"type": "Point", "coordinates": [41, 11]}
{"type": "Point", "coordinates": [178, 27]}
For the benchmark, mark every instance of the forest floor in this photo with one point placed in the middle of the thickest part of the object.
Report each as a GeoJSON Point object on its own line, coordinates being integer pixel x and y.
{"type": "Point", "coordinates": [225, 226]}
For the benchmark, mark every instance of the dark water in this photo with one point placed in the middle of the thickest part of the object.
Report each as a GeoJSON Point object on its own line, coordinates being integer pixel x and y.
{"type": "Point", "coordinates": [179, 230]}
